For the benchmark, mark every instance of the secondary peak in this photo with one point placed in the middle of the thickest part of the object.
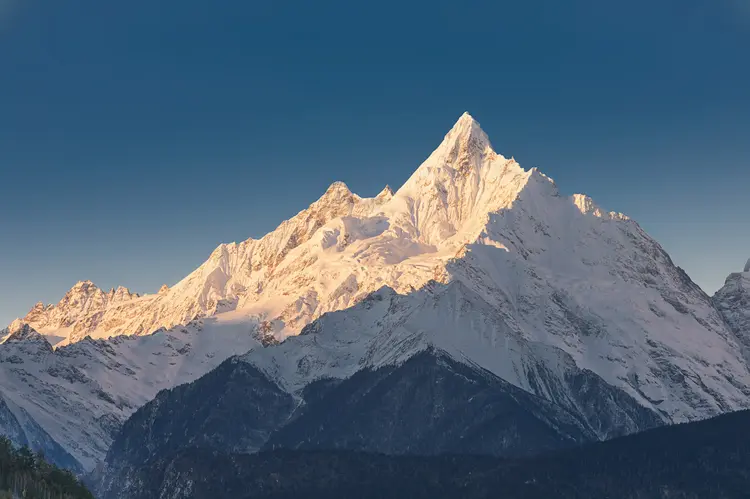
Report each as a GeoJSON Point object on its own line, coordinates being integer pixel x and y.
{"type": "Point", "coordinates": [387, 192]}
{"type": "Point", "coordinates": [339, 188]}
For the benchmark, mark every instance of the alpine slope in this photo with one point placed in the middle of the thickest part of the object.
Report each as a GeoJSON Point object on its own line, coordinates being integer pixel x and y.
{"type": "Point", "coordinates": [474, 260]}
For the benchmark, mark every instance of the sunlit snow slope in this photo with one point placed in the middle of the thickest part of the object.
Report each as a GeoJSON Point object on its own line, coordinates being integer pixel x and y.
{"type": "Point", "coordinates": [473, 255]}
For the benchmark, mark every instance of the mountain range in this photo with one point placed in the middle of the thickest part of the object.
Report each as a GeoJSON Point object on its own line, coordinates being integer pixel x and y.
{"type": "Point", "coordinates": [475, 310]}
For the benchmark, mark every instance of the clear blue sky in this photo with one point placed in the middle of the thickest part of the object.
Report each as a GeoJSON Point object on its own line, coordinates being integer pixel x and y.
{"type": "Point", "coordinates": [136, 136]}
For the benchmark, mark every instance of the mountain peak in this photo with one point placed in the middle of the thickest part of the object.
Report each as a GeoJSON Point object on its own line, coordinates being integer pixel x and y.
{"type": "Point", "coordinates": [19, 331]}
{"type": "Point", "coordinates": [464, 145]}
{"type": "Point", "coordinates": [80, 290]}
{"type": "Point", "coordinates": [339, 188]}
{"type": "Point", "coordinates": [468, 127]}
{"type": "Point", "coordinates": [83, 287]}
{"type": "Point", "coordinates": [747, 266]}
{"type": "Point", "coordinates": [84, 284]}
{"type": "Point", "coordinates": [387, 193]}
{"type": "Point", "coordinates": [18, 326]}
{"type": "Point", "coordinates": [120, 294]}
{"type": "Point", "coordinates": [334, 198]}
{"type": "Point", "coordinates": [466, 118]}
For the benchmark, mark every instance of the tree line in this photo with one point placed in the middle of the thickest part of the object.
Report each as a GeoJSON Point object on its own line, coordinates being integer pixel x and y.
{"type": "Point", "coordinates": [27, 475]}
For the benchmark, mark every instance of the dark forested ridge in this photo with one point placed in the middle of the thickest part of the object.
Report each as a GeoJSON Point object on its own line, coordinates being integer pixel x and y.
{"type": "Point", "coordinates": [27, 475]}
{"type": "Point", "coordinates": [707, 459]}
{"type": "Point", "coordinates": [429, 405]}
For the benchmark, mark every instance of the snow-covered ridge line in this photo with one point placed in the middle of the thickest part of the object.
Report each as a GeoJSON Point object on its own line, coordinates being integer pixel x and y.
{"type": "Point", "coordinates": [473, 255]}
{"type": "Point", "coordinates": [81, 393]}
{"type": "Point", "coordinates": [437, 211]}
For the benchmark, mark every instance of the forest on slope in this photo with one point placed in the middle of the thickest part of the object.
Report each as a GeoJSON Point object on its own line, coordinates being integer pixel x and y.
{"type": "Point", "coordinates": [24, 474]}
{"type": "Point", "coordinates": [689, 461]}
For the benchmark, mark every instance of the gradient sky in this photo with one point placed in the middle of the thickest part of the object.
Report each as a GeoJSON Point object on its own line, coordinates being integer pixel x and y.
{"type": "Point", "coordinates": [136, 136]}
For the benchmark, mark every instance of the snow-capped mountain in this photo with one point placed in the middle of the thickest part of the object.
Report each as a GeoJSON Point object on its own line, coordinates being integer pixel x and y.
{"type": "Point", "coordinates": [83, 310]}
{"type": "Point", "coordinates": [474, 260]}
{"type": "Point", "coordinates": [15, 422]}
{"type": "Point", "coordinates": [733, 301]}
{"type": "Point", "coordinates": [477, 270]}
{"type": "Point", "coordinates": [325, 258]}
{"type": "Point", "coordinates": [70, 402]}
{"type": "Point", "coordinates": [553, 282]}
{"type": "Point", "coordinates": [262, 277]}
